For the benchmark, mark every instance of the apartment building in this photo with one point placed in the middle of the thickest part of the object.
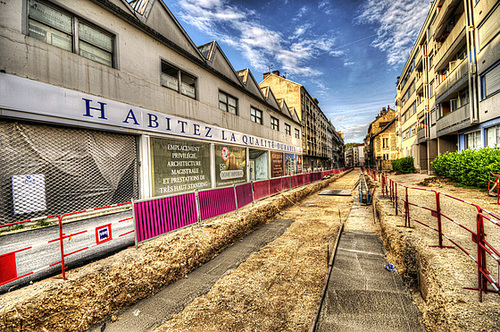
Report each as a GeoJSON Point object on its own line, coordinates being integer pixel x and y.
{"type": "Point", "coordinates": [447, 95]}
{"type": "Point", "coordinates": [317, 140]}
{"type": "Point", "coordinates": [109, 100]}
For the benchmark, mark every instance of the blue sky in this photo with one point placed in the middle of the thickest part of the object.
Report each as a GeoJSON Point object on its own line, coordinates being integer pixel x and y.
{"type": "Point", "coordinates": [347, 54]}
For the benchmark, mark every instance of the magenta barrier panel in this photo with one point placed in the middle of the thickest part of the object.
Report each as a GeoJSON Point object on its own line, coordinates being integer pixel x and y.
{"type": "Point", "coordinates": [275, 186]}
{"type": "Point", "coordinates": [285, 183]}
{"type": "Point", "coordinates": [295, 181]}
{"type": "Point", "coordinates": [325, 173]}
{"type": "Point", "coordinates": [315, 176]}
{"type": "Point", "coordinates": [260, 189]}
{"type": "Point", "coordinates": [160, 216]}
{"type": "Point", "coordinates": [244, 194]}
{"type": "Point", "coordinates": [216, 202]}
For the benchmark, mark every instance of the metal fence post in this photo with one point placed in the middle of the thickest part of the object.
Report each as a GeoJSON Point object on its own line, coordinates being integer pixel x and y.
{"type": "Point", "coordinates": [481, 256]}
{"type": "Point", "coordinates": [438, 211]}
{"type": "Point", "coordinates": [198, 207]}
{"type": "Point", "coordinates": [63, 267]}
{"type": "Point", "coordinates": [253, 193]}
{"type": "Point", "coordinates": [235, 198]}
{"type": "Point", "coordinates": [396, 196]}
{"type": "Point", "coordinates": [407, 210]}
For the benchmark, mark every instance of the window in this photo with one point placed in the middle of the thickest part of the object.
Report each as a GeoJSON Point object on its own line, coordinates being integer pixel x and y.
{"type": "Point", "coordinates": [490, 28]}
{"type": "Point", "coordinates": [288, 129]}
{"type": "Point", "coordinates": [297, 133]}
{"type": "Point", "coordinates": [473, 140]}
{"type": "Point", "coordinates": [256, 115]}
{"type": "Point", "coordinates": [492, 136]}
{"type": "Point", "coordinates": [431, 92]}
{"type": "Point", "coordinates": [385, 143]}
{"type": "Point", "coordinates": [275, 124]}
{"type": "Point", "coordinates": [171, 76]}
{"type": "Point", "coordinates": [139, 5]}
{"type": "Point", "coordinates": [490, 82]}
{"type": "Point", "coordinates": [414, 106]}
{"type": "Point", "coordinates": [55, 27]}
{"type": "Point", "coordinates": [228, 103]}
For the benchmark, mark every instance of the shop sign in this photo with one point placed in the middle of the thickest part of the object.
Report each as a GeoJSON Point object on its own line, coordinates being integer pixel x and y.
{"type": "Point", "coordinates": [179, 166]}
{"type": "Point", "coordinates": [25, 95]}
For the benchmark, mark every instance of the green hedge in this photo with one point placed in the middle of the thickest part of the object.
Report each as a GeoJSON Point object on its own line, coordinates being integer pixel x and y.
{"type": "Point", "coordinates": [468, 167]}
{"type": "Point", "coordinates": [404, 165]}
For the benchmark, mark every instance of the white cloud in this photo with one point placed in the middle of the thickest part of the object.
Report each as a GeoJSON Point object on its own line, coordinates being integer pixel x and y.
{"type": "Point", "coordinates": [398, 25]}
{"type": "Point", "coordinates": [353, 132]}
{"type": "Point", "coordinates": [348, 63]}
{"type": "Point", "coordinates": [240, 28]}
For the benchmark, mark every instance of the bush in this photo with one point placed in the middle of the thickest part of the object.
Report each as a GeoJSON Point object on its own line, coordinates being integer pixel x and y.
{"type": "Point", "coordinates": [468, 167]}
{"type": "Point", "coordinates": [404, 165]}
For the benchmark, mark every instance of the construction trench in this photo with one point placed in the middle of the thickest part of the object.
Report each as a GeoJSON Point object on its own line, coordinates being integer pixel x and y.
{"type": "Point", "coordinates": [261, 270]}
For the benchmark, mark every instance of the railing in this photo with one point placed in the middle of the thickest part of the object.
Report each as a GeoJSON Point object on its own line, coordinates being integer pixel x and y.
{"type": "Point", "coordinates": [487, 257]}
{"type": "Point", "coordinates": [69, 241]}
{"type": "Point", "coordinates": [450, 40]}
{"type": "Point", "coordinates": [453, 77]}
{"type": "Point", "coordinates": [494, 187]}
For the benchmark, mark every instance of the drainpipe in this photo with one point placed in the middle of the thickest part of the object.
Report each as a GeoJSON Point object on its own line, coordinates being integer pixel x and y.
{"type": "Point", "coordinates": [471, 58]}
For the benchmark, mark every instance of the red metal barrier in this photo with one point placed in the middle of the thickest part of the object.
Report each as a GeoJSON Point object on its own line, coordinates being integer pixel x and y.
{"type": "Point", "coordinates": [275, 186]}
{"type": "Point", "coordinates": [497, 183]}
{"type": "Point", "coordinates": [484, 249]}
{"type": "Point", "coordinates": [261, 189]}
{"type": "Point", "coordinates": [8, 261]}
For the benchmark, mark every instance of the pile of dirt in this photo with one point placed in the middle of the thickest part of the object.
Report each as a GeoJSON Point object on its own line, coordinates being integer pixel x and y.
{"type": "Point", "coordinates": [438, 275]}
{"type": "Point", "coordinates": [435, 181]}
{"type": "Point", "coordinates": [100, 289]}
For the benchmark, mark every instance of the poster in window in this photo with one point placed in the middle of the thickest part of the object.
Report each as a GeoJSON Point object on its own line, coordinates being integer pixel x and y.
{"type": "Point", "coordinates": [276, 164]}
{"type": "Point", "coordinates": [179, 166]}
{"type": "Point", "coordinates": [290, 164]}
{"type": "Point", "coordinates": [299, 164]}
{"type": "Point", "coordinates": [230, 165]}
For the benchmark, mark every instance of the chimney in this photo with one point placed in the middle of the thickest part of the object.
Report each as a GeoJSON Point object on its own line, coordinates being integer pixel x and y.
{"type": "Point", "coordinates": [266, 75]}
{"type": "Point", "coordinates": [276, 72]}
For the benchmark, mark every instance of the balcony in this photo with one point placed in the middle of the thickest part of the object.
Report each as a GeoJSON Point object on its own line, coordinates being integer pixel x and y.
{"type": "Point", "coordinates": [443, 14]}
{"type": "Point", "coordinates": [421, 135]}
{"type": "Point", "coordinates": [455, 80]}
{"type": "Point", "coordinates": [456, 35]}
{"type": "Point", "coordinates": [453, 121]}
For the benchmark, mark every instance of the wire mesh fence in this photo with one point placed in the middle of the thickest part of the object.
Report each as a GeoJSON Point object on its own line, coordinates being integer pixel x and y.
{"type": "Point", "coordinates": [47, 170]}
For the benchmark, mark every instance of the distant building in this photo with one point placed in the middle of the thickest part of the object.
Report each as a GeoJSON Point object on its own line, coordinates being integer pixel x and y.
{"type": "Point", "coordinates": [382, 141]}
{"type": "Point", "coordinates": [317, 139]}
{"type": "Point", "coordinates": [355, 156]}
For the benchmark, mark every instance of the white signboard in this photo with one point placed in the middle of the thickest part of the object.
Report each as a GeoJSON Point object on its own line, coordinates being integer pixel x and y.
{"type": "Point", "coordinates": [28, 193]}
{"type": "Point", "coordinates": [25, 95]}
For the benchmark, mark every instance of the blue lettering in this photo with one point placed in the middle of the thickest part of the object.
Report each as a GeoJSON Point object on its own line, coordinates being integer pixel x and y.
{"type": "Point", "coordinates": [88, 108]}
{"type": "Point", "coordinates": [168, 124]}
{"type": "Point", "coordinates": [207, 134]}
{"type": "Point", "coordinates": [131, 115]}
{"type": "Point", "coordinates": [223, 136]}
{"type": "Point", "coordinates": [153, 121]}
{"type": "Point", "coordinates": [196, 129]}
{"type": "Point", "coordinates": [233, 138]}
{"type": "Point", "coordinates": [245, 139]}
{"type": "Point", "coordinates": [183, 123]}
